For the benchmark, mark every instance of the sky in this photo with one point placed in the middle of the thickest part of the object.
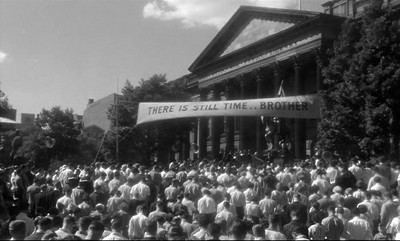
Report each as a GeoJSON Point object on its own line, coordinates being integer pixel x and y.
{"type": "Point", "coordinates": [64, 52]}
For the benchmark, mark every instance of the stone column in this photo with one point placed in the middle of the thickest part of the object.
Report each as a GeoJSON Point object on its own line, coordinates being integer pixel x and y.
{"type": "Point", "coordinates": [242, 120]}
{"type": "Point", "coordinates": [259, 126]}
{"type": "Point", "coordinates": [203, 125]}
{"type": "Point", "coordinates": [300, 124]}
{"type": "Point", "coordinates": [277, 84]}
{"type": "Point", "coordinates": [215, 126]}
{"type": "Point", "coordinates": [229, 120]}
{"type": "Point", "coordinates": [319, 62]}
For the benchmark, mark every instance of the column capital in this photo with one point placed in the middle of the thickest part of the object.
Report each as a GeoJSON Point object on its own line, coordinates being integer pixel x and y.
{"type": "Point", "coordinates": [240, 79]}
{"type": "Point", "coordinates": [228, 92]}
{"type": "Point", "coordinates": [276, 69]}
{"type": "Point", "coordinates": [203, 93]}
{"type": "Point", "coordinates": [257, 75]}
{"type": "Point", "coordinates": [296, 61]}
{"type": "Point", "coordinates": [216, 90]}
{"type": "Point", "coordinates": [319, 57]}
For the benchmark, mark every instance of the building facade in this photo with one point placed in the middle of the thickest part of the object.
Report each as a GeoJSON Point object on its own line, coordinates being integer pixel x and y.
{"type": "Point", "coordinates": [352, 8]}
{"type": "Point", "coordinates": [96, 112]}
{"type": "Point", "coordinates": [254, 54]}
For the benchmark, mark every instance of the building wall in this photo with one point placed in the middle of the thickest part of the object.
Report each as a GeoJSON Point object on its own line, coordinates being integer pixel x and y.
{"type": "Point", "coordinates": [352, 8]}
{"type": "Point", "coordinates": [96, 112]}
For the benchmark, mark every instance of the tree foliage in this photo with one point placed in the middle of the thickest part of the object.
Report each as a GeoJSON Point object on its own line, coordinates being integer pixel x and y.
{"type": "Point", "coordinates": [139, 143]}
{"type": "Point", "coordinates": [57, 124]}
{"type": "Point", "coordinates": [360, 104]}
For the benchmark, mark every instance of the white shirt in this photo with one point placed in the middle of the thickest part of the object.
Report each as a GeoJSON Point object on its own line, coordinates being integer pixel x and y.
{"type": "Point", "coordinates": [142, 190]}
{"type": "Point", "coordinates": [206, 205]}
{"type": "Point", "coordinates": [137, 225]}
{"type": "Point", "coordinates": [394, 228]}
{"type": "Point", "coordinates": [359, 229]}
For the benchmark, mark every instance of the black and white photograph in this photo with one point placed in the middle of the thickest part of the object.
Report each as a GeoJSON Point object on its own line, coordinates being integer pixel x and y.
{"type": "Point", "coordinates": [199, 119]}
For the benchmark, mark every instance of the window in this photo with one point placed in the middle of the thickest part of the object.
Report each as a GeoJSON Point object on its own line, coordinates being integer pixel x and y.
{"type": "Point", "coordinates": [340, 9]}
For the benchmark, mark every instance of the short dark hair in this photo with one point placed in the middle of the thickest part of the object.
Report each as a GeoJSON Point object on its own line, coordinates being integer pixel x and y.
{"type": "Point", "coordinates": [45, 223]}
{"type": "Point", "coordinates": [97, 226]}
{"type": "Point", "coordinates": [84, 222]}
{"type": "Point", "coordinates": [239, 229]}
{"type": "Point", "coordinates": [151, 226]}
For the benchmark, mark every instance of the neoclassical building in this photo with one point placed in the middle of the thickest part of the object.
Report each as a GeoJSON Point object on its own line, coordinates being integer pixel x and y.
{"type": "Point", "coordinates": [257, 51]}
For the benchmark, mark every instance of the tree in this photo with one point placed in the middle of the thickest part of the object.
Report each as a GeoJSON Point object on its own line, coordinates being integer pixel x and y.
{"type": "Point", "coordinates": [54, 137]}
{"type": "Point", "coordinates": [139, 143]}
{"type": "Point", "coordinates": [360, 108]}
{"type": "Point", "coordinates": [5, 142]}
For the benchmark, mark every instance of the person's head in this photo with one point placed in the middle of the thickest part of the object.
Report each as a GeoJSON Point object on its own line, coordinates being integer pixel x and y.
{"type": "Point", "coordinates": [317, 217]}
{"type": "Point", "coordinates": [151, 227]}
{"type": "Point", "coordinates": [214, 229]}
{"type": "Point", "coordinates": [117, 175]}
{"type": "Point", "coordinates": [360, 185]}
{"type": "Point", "coordinates": [160, 220]}
{"type": "Point", "coordinates": [339, 211]}
{"type": "Point", "coordinates": [159, 205]}
{"type": "Point", "coordinates": [95, 231]}
{"type": "Point", "coordinates": [50, 236]}
{"type": "Point", "coordinates": [103, 175]}
{"type": "Point", "coordinates": [299, 230]}
{"type": "Point", "coordinates": [355, 212]}
{"type": "Point", "coordinates": [57, 222]}
{"type": "Point", "coordinates": [17, 229]}
{"type": "Point", "coordinates": [202, 219]}
{"type": "Point", "coordinates": [226, 205]}
{"type": "Point", "coordinates": [377, 179]}
{"type": "Point", "coordinates": [316, 206]}
{"type": "Point", "coordinates": [363, 209]}
{"type": "Point", "coordinates": [294, 214]}
{"type": "Point", "coordinates": [44, 223]}
{"type": "Point", "coordinates": [67, 191]}
{"type": "Point", "coordinates": [175, 233]}
{"type": "Point", "coordinates": [206, 192]}
{"type": "Point", "coordinates": [227, 197]}
{"type": "Point", "coordinates": [394, 193]}
{"type": "Point", "coordinates": [69, 222]}
{"type": "Point", "coordinates": [275, 220]}
{"type": "Point", "coordinates": [239, 229]}
{"type": "Point", "coordinates": [297, 197]}
{"type": "Point", "coordinates": [258, 231]}
{"type": "Point", "coordinates": [84, 223]}
{"type": "Point", "coordinates": [331, 210]}
{"type": "Point", "coordinates": [117, 224]}
{"type": "Point", "coordinates": [387, 195]}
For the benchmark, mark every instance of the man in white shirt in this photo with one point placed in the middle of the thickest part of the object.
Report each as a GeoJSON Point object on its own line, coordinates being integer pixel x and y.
{"type": "Point", "coordinates": [226, 215]}
{"type": "Point", "coordinates": [142, 190]}
{"type": "Point", "coordinates": [267, 205]}
{"type": "Point", "coordinates": [137, 224]}
{"type": "Point", "coordinates": [358, 228]}
{"type": "Point", "coordinates": [239, 200]}
{"type": "Point", "coordinates": [206, 205]}
{"type": "Point", "coordinates": [189, 204]}
{"type": "Point", "coordinates": [373, 210]}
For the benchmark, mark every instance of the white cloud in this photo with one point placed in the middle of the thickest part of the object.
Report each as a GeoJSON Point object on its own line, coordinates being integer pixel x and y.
{"type": "Point", "coordinates": [213, 13]}
{"type": "Point", "coordinates": [3, 57]}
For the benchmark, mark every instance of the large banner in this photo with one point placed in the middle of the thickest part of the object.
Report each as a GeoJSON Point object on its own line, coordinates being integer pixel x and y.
{"type": "Point", "coordinates": [303, 106]}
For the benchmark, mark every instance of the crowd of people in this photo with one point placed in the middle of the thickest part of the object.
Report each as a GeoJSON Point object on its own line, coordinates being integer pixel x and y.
{"type": "Point", "coordinates": [308, 200]}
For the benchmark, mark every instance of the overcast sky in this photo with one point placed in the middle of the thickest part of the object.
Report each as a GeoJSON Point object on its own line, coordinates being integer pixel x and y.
{"type": "Point", "coordinates": [63, 52]}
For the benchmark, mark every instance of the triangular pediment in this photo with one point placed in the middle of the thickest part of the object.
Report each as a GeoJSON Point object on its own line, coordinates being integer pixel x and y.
{"type": "Point", "coordinates": [256, 30]}
{"type": "Point", "coordinates": [248, 26]}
